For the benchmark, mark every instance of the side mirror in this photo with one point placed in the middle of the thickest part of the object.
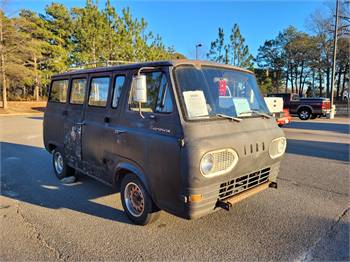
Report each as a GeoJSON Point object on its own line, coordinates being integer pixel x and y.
{"type": "Point", "coordinates": [140, 89]}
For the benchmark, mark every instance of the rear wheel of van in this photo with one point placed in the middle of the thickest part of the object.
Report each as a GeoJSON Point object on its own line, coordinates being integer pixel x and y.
{"type": "Point", "coordinates": [136, 201]}
{"type": "Point", "coordinates": [60, 167]}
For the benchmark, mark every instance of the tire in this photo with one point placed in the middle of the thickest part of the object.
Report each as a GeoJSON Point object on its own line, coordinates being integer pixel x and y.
{"type": "Point", "coordinates": [136, 201]}
{"type": "Point", "coordinates": [304, 113]}
{"type": "Point", "coordinates": [314, 116]}
{"type": "Point", "coordinates": [60, 167]}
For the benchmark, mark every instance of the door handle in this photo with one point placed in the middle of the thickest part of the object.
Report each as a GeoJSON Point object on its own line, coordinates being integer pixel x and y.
{"type": "Point", "coordinates": [80, 123]}
{"type": "Point", "coordinates": [119, 131]}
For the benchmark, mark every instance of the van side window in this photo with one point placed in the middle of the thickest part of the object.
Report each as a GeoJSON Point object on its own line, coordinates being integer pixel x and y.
{"type": "Point", "coordinates": [99, 91]}
{"type": "Point", "coordinates": [118, 85]}
{"type": "Point", "coordinates": [77, 93]}
{"type": "Point", "coordinates": [58, 91]}
{"type": "Point", "coordinates": [158, 95]}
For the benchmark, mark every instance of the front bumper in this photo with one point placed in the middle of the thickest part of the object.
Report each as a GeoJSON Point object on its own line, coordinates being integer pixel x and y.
{"type": "Point", "coordinates": [234, 186]}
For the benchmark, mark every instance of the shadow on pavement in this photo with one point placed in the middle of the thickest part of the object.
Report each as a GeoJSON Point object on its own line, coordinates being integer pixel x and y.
{"type": "Point", "coordinates": [309, 125]}
{"type": "Point", "coordinates": [27, 176]}
{"type": "Point", "coordinates": [327, 150]}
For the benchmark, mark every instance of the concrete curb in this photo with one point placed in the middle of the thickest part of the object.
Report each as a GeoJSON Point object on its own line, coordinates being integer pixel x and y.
{"type": "Point", "coordinates": [21, 114]}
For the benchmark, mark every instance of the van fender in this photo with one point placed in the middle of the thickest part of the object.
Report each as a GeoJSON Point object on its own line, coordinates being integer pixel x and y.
{"type": "Point", "coordinates": [135, 170]}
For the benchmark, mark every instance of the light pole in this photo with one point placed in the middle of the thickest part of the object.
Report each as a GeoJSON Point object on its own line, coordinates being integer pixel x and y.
{"type": "Point", "coordinates": [197, 46]}
{"type": "Point", "coordinates": [335, 40]}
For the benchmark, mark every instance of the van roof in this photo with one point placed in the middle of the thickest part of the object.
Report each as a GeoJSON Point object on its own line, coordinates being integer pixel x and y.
{"type": "Point", "coordinates": [148, 64]}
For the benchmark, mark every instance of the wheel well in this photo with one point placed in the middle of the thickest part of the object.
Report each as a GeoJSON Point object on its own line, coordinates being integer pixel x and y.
{"type": "Point", "coordinates": [51, 147]}
{"type": "Point", "coordinates": [305, 107]}
{"type": "Point", "coordinates": [119, 175]}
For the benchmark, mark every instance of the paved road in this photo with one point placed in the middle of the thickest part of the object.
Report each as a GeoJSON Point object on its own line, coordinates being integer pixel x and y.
{"type": "Point", "coordinates": [306, 219]}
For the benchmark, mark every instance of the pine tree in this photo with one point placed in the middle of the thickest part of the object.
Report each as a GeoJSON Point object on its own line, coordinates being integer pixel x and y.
{"type": "Point", "coordinates": [239, 51]}
{"type": "Point", "coordinates": [235, 52]}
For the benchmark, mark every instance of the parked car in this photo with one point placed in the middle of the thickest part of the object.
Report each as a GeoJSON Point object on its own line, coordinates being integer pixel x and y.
{"type": "Point", "coordinates": [305, 108]}
{"type": "Point", "coordinates": [166, 133]}
{"type": "Point", "coordinates": [275, 106]}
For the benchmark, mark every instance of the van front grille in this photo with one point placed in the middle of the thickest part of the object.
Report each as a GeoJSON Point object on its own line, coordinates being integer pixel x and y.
{"type": "Point", "coordinates": [243, 183]}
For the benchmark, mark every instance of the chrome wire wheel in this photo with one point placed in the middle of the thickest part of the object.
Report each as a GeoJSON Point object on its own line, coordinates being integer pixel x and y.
{"type": "Point", "coordinates": [58, 162]}
{"type": "Point", "coordinates": [134, 199]}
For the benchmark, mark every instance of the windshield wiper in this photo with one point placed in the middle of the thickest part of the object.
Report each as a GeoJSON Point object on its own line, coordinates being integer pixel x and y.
{"type": "Point", "coordinates": [257, 113]}
{"type": "Point", "coordinates": [229, 117]}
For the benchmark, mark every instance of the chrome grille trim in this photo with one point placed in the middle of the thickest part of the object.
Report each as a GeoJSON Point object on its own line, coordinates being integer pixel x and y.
{"type": "Point", "coordinates": [243, 183]}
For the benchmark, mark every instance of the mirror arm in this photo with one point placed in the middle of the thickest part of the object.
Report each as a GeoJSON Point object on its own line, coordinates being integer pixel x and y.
{"type": "Point", "coordinates": [140, 112]}
{"type": "Point", "coordinates": [145, 68]}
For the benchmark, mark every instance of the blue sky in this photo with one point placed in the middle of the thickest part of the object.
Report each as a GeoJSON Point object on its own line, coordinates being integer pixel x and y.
{"type": "Point", "coordinates": [182, 24]}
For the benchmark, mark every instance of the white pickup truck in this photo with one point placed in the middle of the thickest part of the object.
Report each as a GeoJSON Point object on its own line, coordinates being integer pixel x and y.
{"type": "Point", "coordinates": [275, 106]}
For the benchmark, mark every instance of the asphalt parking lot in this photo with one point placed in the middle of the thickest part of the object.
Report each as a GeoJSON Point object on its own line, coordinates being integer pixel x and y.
{"type": "Point", "coordinates": [306, 219]}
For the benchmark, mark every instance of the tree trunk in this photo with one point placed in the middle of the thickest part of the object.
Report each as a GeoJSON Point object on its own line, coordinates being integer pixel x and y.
{"type": "Point", "coordinates": [287, 77]}
{"type": "Point", "coordinates": [301, 79]}
{"type": "Point", "coordinates": [291, 78]}
{"type": "Point", "coordinates": [344, 80]}
{"type": "Point", "coordinates": [36, 84]}
{"type": "Point", "coordinates": [321, 88]}
{"type": "Point", "coordinates": [328, 81]}
{"type": "Point", "coordinates": [338, 82]}
{"type": "Point", "coordinates": [3, 73]}
{"type": "Point", "coordinates": [313, 83]}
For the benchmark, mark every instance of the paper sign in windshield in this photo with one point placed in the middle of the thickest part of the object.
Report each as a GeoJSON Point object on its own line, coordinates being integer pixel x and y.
{"type": "Point", "coordinates": [241, 105]}
{"type": "Point", "coordinates": [196, 104]}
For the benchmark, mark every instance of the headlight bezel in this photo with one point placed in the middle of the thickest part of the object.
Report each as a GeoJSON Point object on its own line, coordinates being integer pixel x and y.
{"type": "Point", "coordinates": [220, 172]}
{"type": "Point", "coordinates": [274, 147]}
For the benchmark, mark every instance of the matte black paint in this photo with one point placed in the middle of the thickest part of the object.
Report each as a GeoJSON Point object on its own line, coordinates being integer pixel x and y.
{"type": "Point", "coordinates": [163, 150]}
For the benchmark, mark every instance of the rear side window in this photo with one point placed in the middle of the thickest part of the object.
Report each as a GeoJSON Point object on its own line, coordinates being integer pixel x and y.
{"type": "Point", "coordinates": [58, 91]}
{"type": "Point", "coordinates": [99, 91]}
{"type": "Point", "coordinates": [77, 94]}
{"type": "Point", "coordinates": [158, 95]}
{"type": "Point", "coordinates": [118, 85]}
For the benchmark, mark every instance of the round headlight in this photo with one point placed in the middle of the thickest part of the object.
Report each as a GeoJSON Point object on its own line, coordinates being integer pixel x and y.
{"type": "Point", "coordinates": [281, 146]}
{"type": "Point", "coordinates": [207, 164]}
{"type": "Point", "coordinates": [277, 147]}
{"type": "Point", "coordinates": [218, 162]}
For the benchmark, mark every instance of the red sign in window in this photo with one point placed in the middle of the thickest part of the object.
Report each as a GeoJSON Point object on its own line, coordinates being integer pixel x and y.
{"type": "Point", "coordinates": [222, 87]}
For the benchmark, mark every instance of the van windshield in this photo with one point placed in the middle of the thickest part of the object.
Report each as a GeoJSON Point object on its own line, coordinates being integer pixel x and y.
{"type": "Point", "coordinates": [209, 92]}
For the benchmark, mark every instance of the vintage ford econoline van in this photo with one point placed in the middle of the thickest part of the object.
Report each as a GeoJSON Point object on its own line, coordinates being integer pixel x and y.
{"type": "Point", "coordinates": [187, 137]}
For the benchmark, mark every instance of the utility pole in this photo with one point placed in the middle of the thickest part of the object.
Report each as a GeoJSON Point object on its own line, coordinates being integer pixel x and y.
{"type": "Point", "coordinates": [197, 46]}
{"type": "Point", "coordinates": [335, 41]}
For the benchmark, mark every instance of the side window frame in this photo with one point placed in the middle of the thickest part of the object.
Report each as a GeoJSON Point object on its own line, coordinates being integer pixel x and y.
{"type": "Point", "coordinates": [71, 88]}
{"type": "Point", "coordinates": [114, 78]}
{"type": "Point", "coordinates": [91, 78]}
{"type": "Point", "coordinates": [67, 92]}
{"type": "Point", "coordinates": [170, 90]}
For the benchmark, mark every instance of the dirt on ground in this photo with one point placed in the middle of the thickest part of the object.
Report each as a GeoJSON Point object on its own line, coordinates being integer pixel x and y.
{"type": "Point", "coordinates": [23, 107]}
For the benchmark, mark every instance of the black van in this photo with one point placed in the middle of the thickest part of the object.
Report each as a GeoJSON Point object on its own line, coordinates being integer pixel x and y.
{"type": "Point", "coordinates": [187, 137]}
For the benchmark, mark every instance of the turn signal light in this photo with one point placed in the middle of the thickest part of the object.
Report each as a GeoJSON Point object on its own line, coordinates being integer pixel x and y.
{"type": "Point", "coordinates": [195, 198]}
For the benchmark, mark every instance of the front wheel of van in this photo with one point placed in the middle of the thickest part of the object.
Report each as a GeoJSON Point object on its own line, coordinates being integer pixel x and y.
{"type": "Point", "coordinates": [60, 167]}
{"type": "Point", "coordinates": [136, 201]}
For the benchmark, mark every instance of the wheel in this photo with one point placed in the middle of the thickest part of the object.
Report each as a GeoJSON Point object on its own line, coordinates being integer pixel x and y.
{"type": "Point", "coordinates": [60, 167]}
{"type": "Point", "coordinates": [314, 116]}
{"type": "Point", "coordinates": [136, 201]}
{"type": "Point", "coordinates": [304, 113]}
